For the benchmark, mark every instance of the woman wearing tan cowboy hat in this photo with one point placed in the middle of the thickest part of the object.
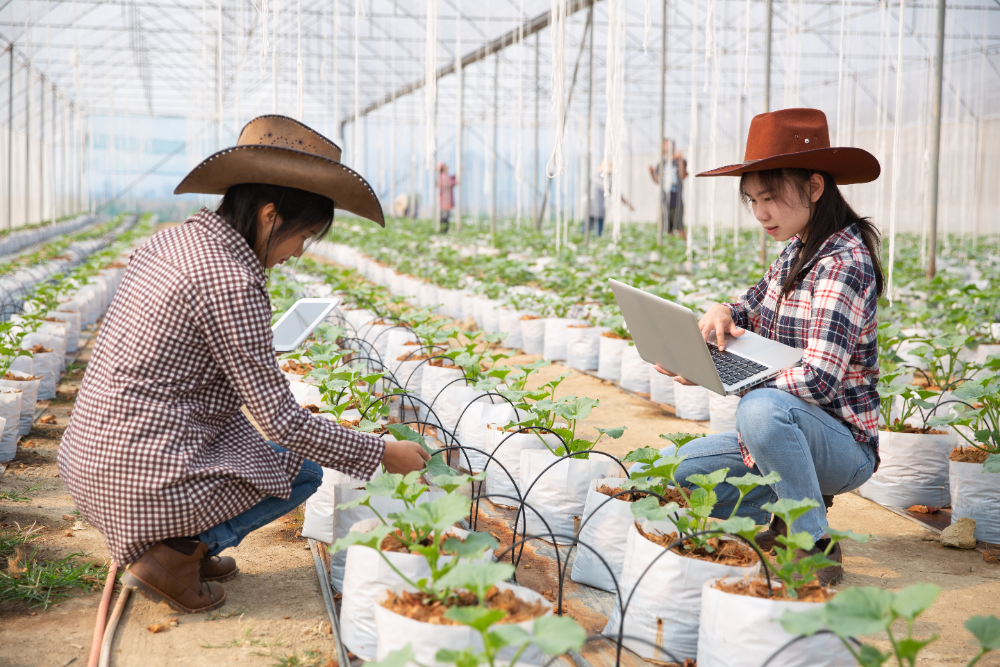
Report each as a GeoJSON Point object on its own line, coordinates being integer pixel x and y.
{"type": "Point", "coordinates": [817, 424]}
{"type": "Point", "coordinates": [158, 455]}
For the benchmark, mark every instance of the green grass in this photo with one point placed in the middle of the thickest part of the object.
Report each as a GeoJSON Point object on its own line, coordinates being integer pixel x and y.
{"type": "Point", "coordinates": [12, 538]}
{"type": "Point", "coordinates": [219, 614]}
{"type": "Point", "coordinates": [247, 640]}
{"type": "Point", "coordinates": [308, 658]}
{"type": "Point", "coordinates": [17, 496]}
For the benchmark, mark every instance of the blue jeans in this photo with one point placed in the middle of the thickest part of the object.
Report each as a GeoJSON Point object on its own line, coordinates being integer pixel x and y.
{"type": "Point", "coordinates": [231, 533]}
{"type": "Point", "coordinates": [596, 224]}
{"type": "Point", "coordinates": [814, 453]}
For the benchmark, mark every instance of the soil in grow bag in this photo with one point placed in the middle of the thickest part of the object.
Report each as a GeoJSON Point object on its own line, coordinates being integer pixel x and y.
{"type": "Point", "coordinates": [393, 544]}
{"type": "Point", "coordinates": [296, 367]}
{"type": "Point", "coordinates": [757, 588]}
{"type": "Point", "coordinates": [26, 378]}
{"type": "Point", "coordinates": [968, 455]}
{"type": "Point", "coordinates": [420, 607]}
{"type": "Point", "coordinates": [672, 496]}
{"type": "Point", "coordinates": [926, 430]}
{"type": "Point", "coordinates": [724, 552]}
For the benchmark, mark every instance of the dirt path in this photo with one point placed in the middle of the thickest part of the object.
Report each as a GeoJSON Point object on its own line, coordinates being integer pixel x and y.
{"type": "Point", "coordinates": [274, 609]}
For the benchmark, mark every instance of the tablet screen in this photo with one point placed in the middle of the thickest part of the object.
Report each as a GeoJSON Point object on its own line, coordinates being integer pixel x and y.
{"type": "Point", "coordinates": [302, 318]}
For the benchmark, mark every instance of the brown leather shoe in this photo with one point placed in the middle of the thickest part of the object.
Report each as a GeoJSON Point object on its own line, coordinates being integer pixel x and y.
{"type": "Point", "coordinates": [768, 538]}
{"type": "Point", "coordinates": [218, 568]}
{"type": "Point", "coordinates": [171, 574]}
{"type": "Point", "coordinates": [827, 576]}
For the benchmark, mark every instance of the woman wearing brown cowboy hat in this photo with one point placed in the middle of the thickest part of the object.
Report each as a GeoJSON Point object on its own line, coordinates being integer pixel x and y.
{"type": "Point", "coordinates": [158, 455]}
{"type": "Point", "coordinates": [816, 425]}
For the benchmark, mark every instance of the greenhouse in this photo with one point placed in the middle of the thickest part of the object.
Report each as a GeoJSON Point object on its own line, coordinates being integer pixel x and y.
{"type": "Point", "coordinates": [423, 333]}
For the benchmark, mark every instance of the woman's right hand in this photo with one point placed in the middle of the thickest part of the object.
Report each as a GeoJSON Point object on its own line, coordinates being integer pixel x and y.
{"type": "Point", "coordinates": [720, 320]}
{"type": "Point", "coordinates": [404, 456]}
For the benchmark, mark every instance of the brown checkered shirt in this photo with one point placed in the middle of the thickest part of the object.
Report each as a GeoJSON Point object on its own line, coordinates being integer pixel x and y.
{"type": "Point", "coordinates": [157, 446]}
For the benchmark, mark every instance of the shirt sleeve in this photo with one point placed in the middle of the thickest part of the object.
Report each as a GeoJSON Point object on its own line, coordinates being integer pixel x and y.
{"type": "Point", "coordinates": [236, 324]}
{"type": "Point", "coordinates": [836, 317]}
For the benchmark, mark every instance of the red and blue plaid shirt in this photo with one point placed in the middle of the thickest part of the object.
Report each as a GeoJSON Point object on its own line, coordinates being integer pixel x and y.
{"type": "Point", "coordinates": [830, 315]}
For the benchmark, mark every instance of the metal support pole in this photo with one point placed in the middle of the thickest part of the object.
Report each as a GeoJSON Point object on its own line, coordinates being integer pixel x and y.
{"type": "Point", "coordinates": [27, 142]}
{"type": "Point", "coordinates": [10, 140]}
{"type": "Point", "coordinates": [496, 124]}
{"type": "Point", "coordinates": [538, 93]}
{"type": "Point", "coordinates": [437, 172]}
{"type": "Point", "coordinates": [767, 103]}
{"type": "Point", "coordinates": [41, 152]}
{"type": "Point", "coordinates": [52, 156]}
{"type": "Point", "coordinates": [459, 131]}
{"type": "Point", "coordinates": [935, 144]}
{"type": "Point", "coordinates": [664, 164]}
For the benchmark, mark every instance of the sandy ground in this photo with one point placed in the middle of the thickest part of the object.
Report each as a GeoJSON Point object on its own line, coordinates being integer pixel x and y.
{"type": "Point", "coordinates": [274, 608]}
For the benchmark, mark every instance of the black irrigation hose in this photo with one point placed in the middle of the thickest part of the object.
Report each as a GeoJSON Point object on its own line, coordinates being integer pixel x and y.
{"type": "Point", "coordinates": [800, 638]}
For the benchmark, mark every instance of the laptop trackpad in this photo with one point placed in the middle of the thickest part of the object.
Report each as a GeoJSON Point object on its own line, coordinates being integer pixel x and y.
{"type": "Point", "coordinates": [763, 350]}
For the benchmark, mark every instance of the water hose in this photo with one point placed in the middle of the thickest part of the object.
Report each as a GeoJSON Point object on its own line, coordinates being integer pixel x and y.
{"type": "Point", "coordinates": [102, 616]}
{"type": "Point", "coordinates": [109, 632]}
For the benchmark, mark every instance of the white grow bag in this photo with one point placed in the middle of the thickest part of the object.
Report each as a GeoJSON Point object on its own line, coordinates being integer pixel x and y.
{"type": "Point", "coordinates": [607, 532]}
{"type": "Point", "coordinates": [477, 427]}
{"type": "Point", "coordinates": [976, 494]}
{"type": "Point", "coordinates": [10, 412]}
{"type": "Point", "coordinates": [913, 471]}
{"type": "Point", "coordinates": [634, 370]}
{"type": "Point", "coordinates": [509, 323]}
{"type": "Point", "coordinates": [665, 603]}
{"type": "Point", "coordinates": [609, 364]}
{"type": "Point", "coordinates": [722, 412]}
{"type": "Point", "coordinates": [29, 394]}
{"type": "Point", "coordinates": [554, 348]}
{"type": "Point", "coordinates": [661, 387]}
{"type": "Point", "coordinates": [583, 347]}
{"type": "Point", "coordinates": [72, 321]}
{"type": "Point", "coordinates": [533, 335]}
{"type": "Point", "coordinates": [743, 631]}
{"type": "Point", "coordinates": [506, 449]}
{"type": "Point", "coordinates": [691, 402]}
{"type": "Point", "coordinates": [560, 494]}
{"type": "Point", "coordinates": [433, 379]}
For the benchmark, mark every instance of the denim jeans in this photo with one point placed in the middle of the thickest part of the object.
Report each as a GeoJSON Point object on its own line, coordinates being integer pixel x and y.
{"type": "Point", "coordinates": [596, 225]}
{"type": "Point", "coordinates": [814, 453]}
{"type": "Point", "coordinates": [231, 533]}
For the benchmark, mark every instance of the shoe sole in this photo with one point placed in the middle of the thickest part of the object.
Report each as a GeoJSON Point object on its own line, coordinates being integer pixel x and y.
{"type": "Point", "coordinates": [225, 577]}
{"type": "Point", "coordinates": [153, 594]}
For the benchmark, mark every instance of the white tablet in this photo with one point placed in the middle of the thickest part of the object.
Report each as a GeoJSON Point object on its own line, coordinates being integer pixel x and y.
{"type": "Point", "coordinates": [300, 320]}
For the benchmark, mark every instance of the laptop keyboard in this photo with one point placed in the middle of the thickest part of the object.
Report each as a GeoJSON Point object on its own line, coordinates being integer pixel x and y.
{"type": "Point", "coordinates": [733, 368]}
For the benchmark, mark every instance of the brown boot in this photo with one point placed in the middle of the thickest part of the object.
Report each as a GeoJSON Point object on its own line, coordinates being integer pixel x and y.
{"type": "Point", "coordinates": [767, 539]}
{"type": "Point", "coordinates": [218, 568]}
{"type": "Point", "coordinates": [827, 576]}
{"type": "Point", "coordinates": [169, 571]}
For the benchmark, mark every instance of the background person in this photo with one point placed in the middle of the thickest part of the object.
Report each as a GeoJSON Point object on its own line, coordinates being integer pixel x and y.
{"type": "Point", "coordinates": [446, 192]}
{"type": "Point", "coordinates": [597, 199]}
{"type": "Point", "coordinates": [672, 201]}
{"type": "Point", "coordinates": [816, 424]}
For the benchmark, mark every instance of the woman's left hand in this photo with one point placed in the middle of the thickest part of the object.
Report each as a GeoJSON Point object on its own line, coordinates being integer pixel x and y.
{"type": "Point", "coordinates": [673, 375]}
{"type": "Point", "coordinates": [403, 456]}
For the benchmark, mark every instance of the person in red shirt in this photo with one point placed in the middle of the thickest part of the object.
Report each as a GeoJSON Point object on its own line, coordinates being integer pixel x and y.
{"type": "Point", "coordinates": [446, 193]}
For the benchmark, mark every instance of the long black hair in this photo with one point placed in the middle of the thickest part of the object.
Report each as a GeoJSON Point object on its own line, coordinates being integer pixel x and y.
{"type": "Point", "coordinates": [827, 216]}
{"type": "Point", "coordinates": [299, 210]}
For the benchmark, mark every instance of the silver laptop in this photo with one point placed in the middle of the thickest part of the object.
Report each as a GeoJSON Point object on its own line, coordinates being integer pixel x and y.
{"type": "Point", "coordinates": [667, 334]}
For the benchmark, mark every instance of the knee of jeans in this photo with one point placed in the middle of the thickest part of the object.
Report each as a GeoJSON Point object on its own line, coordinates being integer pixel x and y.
{"type": "Point", "coordinates": [758, 408]}
{"type": "Point", "coordinates": [311, 474]}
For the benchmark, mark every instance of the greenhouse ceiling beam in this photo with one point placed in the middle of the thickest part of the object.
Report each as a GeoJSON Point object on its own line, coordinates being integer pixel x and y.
{"type": "Point", "coordinates": [530, 27]}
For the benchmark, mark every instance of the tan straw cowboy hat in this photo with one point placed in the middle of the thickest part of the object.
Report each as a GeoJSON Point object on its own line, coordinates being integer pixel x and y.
{"type": "Point", "coordinates": [277, 150]}
{"type": "Point", "coordinates": [800, 138]}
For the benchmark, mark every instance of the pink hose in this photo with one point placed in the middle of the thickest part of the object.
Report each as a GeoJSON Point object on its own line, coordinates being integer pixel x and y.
{"type": "Point", "coordinates": [102, 616]}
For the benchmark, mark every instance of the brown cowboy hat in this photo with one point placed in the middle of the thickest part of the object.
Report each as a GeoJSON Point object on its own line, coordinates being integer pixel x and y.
{"type": "Point", "coordinates": [280, 151]}
{"type": "Point", "coordinates": [800, 138]}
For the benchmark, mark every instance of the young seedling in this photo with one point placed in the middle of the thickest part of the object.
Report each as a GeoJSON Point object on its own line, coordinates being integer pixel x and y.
{"type": "Point", "coordinates": [984, 421]}
{"type": "Point", "coordinates": [910, 400]}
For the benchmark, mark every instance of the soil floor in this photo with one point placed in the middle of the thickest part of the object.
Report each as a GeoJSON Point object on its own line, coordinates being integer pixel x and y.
{"type": "Point", "coordinates": [274, 610]}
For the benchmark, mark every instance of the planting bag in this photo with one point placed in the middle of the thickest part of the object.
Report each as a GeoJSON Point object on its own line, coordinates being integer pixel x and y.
{"type": "Point", "coordinates": [452, 401]}
{"type": "Point", "coordinates": [604, 526]}
{"type": "Point", "coordinates": [46, 368]}
{"type": "Point", "coordinates": [661, 387]}
{"type": "Point", "coordinates": [506, 450]}
{"type": "Point", "coordinates": [395, 347]}
{"type": "Point", "coordinates": [377, 335]}
{"type": "Point", "coordinates": [468, 306]}
{"type": "Point", "coordinates": [914, 470]}
{"type": "Point", "coordinates": [976, 494]}
{"type": "Point", "coordinates": [509, 323]}
{"type": "Point", "coordinates": [583, 347]}
{"type": "Point", "coordinates": [451, 302]}
{"type": "Point", "coordinates": [722, 412]}
{"type": "Point", "coordinates": [554, 348]}
{"type": "Point", "coordinates": [691, 402]}
{"type": "Point", "coordinates": [29, 394]}
{"type": "Point", "coordinates": [305, 393]}
{"type": "Point", "coordinates": [559, 494]}
{"type": "Point", "coordinates": [666, 601]}
{"type": "Point", "coordinates": [533, 336]}
{"type": "Point", "coordinates": [23, 363]}
{"type": "Point", "coordinates": [743, 631]}
{"type": "Point", "coordinates": [433, 380]}
{"type": "Point", "coordinates": [10, 411]}
{"type": "Point", "coordinates": [357, 319]}
{"type": "Point", "coordinates": [396, 631]}
{"type": "Point", "coordinates": [366, 578]}
{"type": "Point", "coordinates": [609, 363]}
{"type": "Point", "coordinates": [490, 315]}
{"type": "Point", "coordinates": [72, 321]}
{"type": "Point", "coordinates": [477, 428]}
{"type": "Point", "coordinates": [319, 522]}
{"type": "Point", "coordinates": [634, 370]}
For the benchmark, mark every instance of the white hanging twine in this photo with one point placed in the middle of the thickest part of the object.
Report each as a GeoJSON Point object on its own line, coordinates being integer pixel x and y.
{"type": "Point", "coordinates": [336, 72]}
{"type": "Point", "coordinates": [298, 62]}
{"type": "Point", "coordinates": [647, 27]}
{"type": "Point", "coordinates": [519, 164]}
{"type": "Point", "coordinates": [430, 85]}
{"type": "Point", "coordinates": [614, 132]}
{"type": "Point", "coordinates": [896, 142]}
{"type": "Point", "coordinates": [262, 11]}
{"type": "Point", "coordinates": [356, 149]}
{"type": "Point", "coordinates": [557, 10]}
{"type": "Point", "coordinates": [746, 58]}
{"type": "Point", "coordinates": [274, 57]}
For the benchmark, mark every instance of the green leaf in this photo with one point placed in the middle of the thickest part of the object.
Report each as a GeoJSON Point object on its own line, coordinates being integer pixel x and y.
{"type": "Point", "coordinates": [681, 439]}
{"type": "Point", "coordinates": [992, 463]}
{"type": "Point", "coordinates": [477, 578]}
{"type": "Point", "coordinates": [666, 468]}
{"type": "Point", "coordinates": [838, 535]}
{"type": "Point", "coordinates": [613, 433]}
{"type": "Point", "coordinates": [802, 541]}
{"type": "Point", "coordinates": [473, 546]}
{"type": "Point", "coordinates": [649, 508]}
{"type": "Point", "coordinates": [367, 426]}
{"type": "Point", "coordinates": [478, 618]}
{"type": "Point", "coordinates": [451, 481]}
{"type": "Point", "coordinates": [986, 630]}
{"type": "Point", "coordinates": [710, 481]}
{"type": "Point", "coordinates": [869, 656]}
{"type": "Point", "coordinates": [743, 526]}
{"type": "Point", "coordinates": [438, 514]}
{"type": "Point", "coordinates": [384, 485]}
{"type": "Point", "coordinates": [789, 510]}
{"type": "Point", "coordinates": [404, 432]}
{"type": "Point", "coordinates": [645, 455]}
{"type": "Point", "coordinates": [804, 622]}
{"type": "Point", "coordinates": [908, 647]}
{"type": "Point", "coordinates": [914, 600]}
{"type": "Point", "coordinates": [400, 658]}
{"type": "Point", "coordinates": [509, 634]}
{"type": "Point", "coordinates": [372, 539]}
{"type": "Point", "coordinates": [855, 612]}
{"type": "Point", "coordinates": [556, 635]}
{"type": "Point", "coordinates": [749, 481]}
{"type": "Point", "coordinates": [464, 658]}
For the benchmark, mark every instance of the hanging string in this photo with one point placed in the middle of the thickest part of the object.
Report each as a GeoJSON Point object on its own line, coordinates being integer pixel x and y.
{"type": "Point", "coordinates": [459, 79]}
{"type": "Point", "coordinates": [647, 28]}
{"type": "Point", "coordinates": [709, 38]}
{"type": "Point", "coordinates": [219, 112]}
{"type": "Point", "coordinates": [519, 164]}
{"type": "Point", "coordinates": [614, 132]}
{"type": "Point", "coordinates": [880, 107]}
{"type": "Point", "coordinates": [336, 72]}
{"type": "Point", "coordinates": [264, 45]}
{"type": "Point", "coordinates": [356, 148]}
{"type": "Point", "coordinates": [430, 85]}
{"type": "Point", "coordinates": [746, 57]}
{"type": "Point", "coordinates": [693, 146]}
{"type": "Point", "coordinates": [298, 60]}
{"type": "Point", "coordinates": [274, 58]}
{"type": "Point", "coordinates": [897, 141]}
{"type": "Point", "coordinates": [840, 75]}
{"type": "Point", "coordinates": [557, 10]}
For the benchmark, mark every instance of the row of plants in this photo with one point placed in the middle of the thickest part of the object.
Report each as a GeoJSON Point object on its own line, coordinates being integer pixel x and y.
{"type": "Point", "coordinates": [403, 564]}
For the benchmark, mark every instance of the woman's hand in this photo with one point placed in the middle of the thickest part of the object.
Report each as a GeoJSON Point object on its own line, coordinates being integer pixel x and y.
{"type": "Point", "coordinates": [719, 319]}
{"type": "Point", "coordinates": [663, 371]}
{"type": "Point", "coordinates": [404, 456]}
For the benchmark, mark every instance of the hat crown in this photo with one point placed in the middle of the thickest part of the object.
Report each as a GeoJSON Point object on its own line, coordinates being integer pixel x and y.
{"type": "Point", "coordinates": [283, 132]}
{"type": "Point", "coordinates": [786, 131]}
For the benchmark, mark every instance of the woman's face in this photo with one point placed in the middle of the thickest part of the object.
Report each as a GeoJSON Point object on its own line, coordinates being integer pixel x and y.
{"type": "Point", "coordinates": [278, 251]}
{"type": "Point", "coordinates": [784, 214]}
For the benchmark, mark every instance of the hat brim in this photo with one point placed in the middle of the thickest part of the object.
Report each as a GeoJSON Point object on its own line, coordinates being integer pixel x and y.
{"type": "Point", "coordinates": [286, 167]}
{"type": "Point", "coordinates": [847, 166]}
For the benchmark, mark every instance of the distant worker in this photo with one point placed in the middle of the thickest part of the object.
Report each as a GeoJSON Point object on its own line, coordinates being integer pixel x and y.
{"type": "Point", "coordinates": [446, 192]}
{"type": "Point", "coordinates": [597, 198]}
{"type": "Point", "coordinates": [672, 201]}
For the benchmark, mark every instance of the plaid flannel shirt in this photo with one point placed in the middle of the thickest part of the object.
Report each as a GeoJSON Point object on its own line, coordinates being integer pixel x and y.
{"type": "Point", "coordinates": [830, 315]}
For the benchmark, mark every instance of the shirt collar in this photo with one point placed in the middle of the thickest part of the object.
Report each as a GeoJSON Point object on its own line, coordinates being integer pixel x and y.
{"type": "Point", "coordinates": [237, 245]}
{"type": "Point", "coordinates": [846, 239]}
